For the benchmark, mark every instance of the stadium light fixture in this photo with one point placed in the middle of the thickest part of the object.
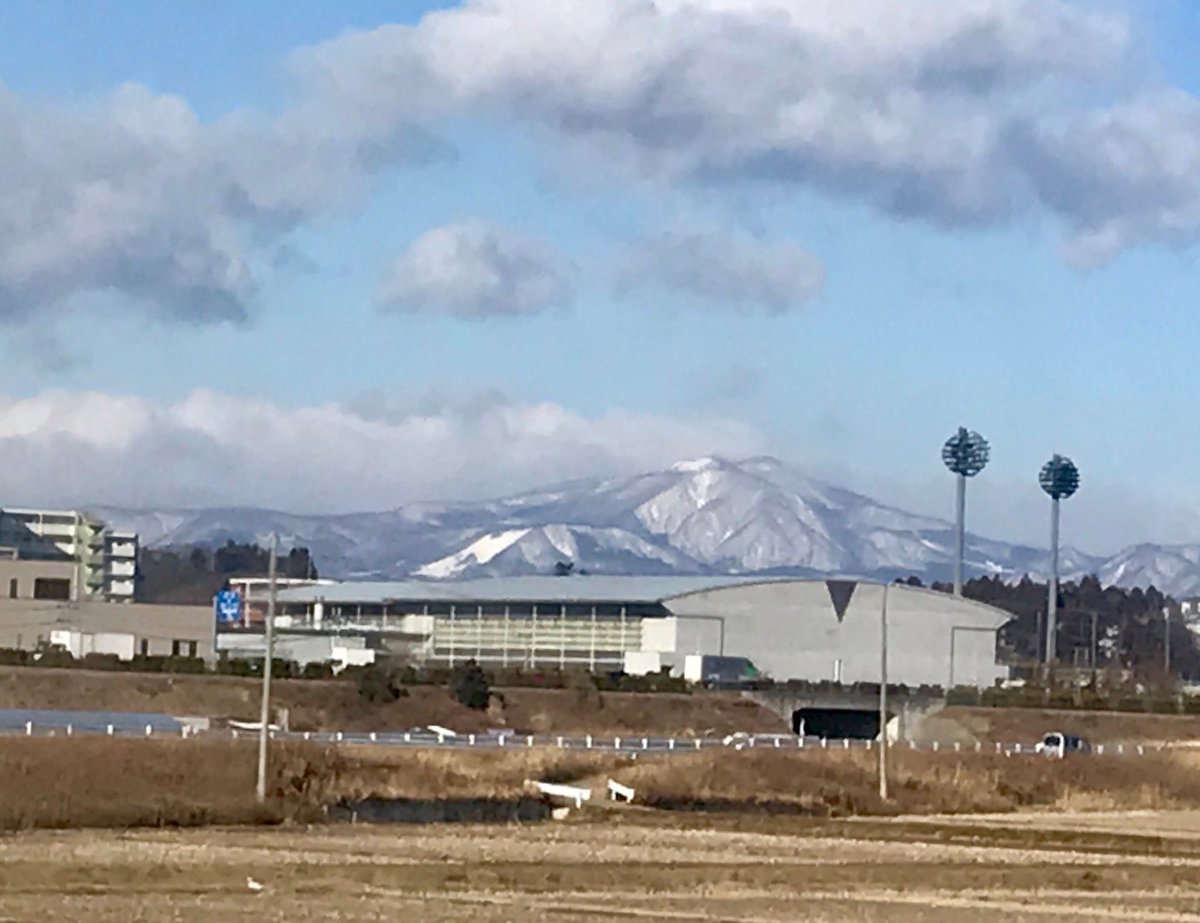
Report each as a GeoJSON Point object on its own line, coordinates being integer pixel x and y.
{"type": "Point", "coordinates": [965, 453]}
{"type": "Point", "coordinates": [1059, 478]}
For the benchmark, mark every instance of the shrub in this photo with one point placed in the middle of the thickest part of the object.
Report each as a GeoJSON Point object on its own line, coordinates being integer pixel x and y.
{"type": "Point", "coordinates": [102, 662]}
{"type": "Point", "coordinates": [314, 670]}
{"type": "Point", "coordinates": [11, 657]}
{"type": "Point", "coordinates": [379, 683]}
{"type": "Point", "coordinates": [470, 687]}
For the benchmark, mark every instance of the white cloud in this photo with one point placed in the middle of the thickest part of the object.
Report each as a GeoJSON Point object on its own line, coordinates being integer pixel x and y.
{"type": "Point", "coordinates": [474, 269]}
{"type": "Point", "coordinates": [734, 272]}
{"type": "Point", "coordinates": [134, 196]}
{"type": "Point", "coordinates": [955, 113]}
{"type": "Point", "coordinates": [217, 449]}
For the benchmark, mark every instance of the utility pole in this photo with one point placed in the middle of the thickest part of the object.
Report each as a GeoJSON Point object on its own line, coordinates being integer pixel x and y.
{"type": "Point", "coordinates": [1167, 642]}
{"type": "Point", "coordinates": [883, 684]}
{"type": "Point", "coordinates": [1095, 649]}
{"type": "Point", "coordinates": [268, 662]}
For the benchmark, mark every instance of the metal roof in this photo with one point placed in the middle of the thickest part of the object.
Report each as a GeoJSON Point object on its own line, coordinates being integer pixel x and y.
{"type": "Point", "coordinates": [571, 589]}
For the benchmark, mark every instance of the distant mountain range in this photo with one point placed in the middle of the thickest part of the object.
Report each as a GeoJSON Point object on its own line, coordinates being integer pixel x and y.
{"type": "Point", "coordinates": [708, 516]}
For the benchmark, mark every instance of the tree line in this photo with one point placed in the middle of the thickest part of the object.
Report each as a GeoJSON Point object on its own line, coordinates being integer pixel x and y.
{"type": "Point", "coordinates": [192, 575]}
{"type": "Point", "coordinates": [1130, 625]}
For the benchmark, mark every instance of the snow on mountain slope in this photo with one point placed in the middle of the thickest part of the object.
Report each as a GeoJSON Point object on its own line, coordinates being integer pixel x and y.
{"type": "Point", "coordinates": [538, 550]}
{"type": "Point", "coordinates": [706, 515]}
{"type": "Point", "coordinates": [1175, 566]}
{"type": "Point", "coordinates": [480, 551]}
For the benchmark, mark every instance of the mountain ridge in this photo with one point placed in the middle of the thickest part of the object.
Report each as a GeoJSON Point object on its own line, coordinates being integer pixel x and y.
{"type": "Point", "coordinates": [699, 516]}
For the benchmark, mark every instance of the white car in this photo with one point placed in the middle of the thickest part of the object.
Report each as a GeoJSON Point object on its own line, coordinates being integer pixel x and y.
{"type": "Point", "coordinates": [1057, 744]}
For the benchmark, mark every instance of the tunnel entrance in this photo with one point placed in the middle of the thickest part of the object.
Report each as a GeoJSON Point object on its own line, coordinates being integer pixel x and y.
{"type": "Point", "coordinates": [836, 723]}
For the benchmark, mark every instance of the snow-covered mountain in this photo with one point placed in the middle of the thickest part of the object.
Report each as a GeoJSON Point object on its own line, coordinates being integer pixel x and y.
{"type": "Point", "coordinates": [538, 550]}
{"type": "Point", "coordinates": [708, 515]}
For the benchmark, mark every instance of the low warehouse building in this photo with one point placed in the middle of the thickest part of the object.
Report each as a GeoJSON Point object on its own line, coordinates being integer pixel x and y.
{"type": "Point", "coordinates": [791, 629]}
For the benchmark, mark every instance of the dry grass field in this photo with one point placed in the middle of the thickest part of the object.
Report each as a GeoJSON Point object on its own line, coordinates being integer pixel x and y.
{"type": "Point", "coordinates": [113, 782]}
{"type": "Point", "coordinates": [749, 836]}
{"type": "Point", "coordinates": [624, 865]}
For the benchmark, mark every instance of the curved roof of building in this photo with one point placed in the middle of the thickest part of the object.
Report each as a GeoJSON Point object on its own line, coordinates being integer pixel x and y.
{"type": "Point", "coordinates": [577, 588]}
{"type": "Point", "coordinates": [574, 589]}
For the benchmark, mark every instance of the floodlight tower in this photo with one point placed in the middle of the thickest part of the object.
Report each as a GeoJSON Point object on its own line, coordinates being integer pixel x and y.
{"type": "Point", "coordinates": [1060, 479]}
{"type": "Point", "coordinates": [965, 453]}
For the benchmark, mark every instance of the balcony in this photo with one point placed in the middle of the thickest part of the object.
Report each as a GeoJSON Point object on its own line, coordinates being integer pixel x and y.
{"type": "Point", "coordinates": [122, 568]}
{"type": "Point", "coordinates": [121, 588]}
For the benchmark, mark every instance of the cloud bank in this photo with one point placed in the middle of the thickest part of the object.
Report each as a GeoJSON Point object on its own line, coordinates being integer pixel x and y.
{"type": "Point", "coordinates": [970, 113]}
{"type": "Point", "coordinates": [956, 114]}
{"type": "Point", "coordinates": [214, 449]}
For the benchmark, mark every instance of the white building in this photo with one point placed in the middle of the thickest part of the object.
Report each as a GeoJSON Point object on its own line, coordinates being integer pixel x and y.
{"type": "Point", "coordinates": [791, 629]}
{"type": "Point", "coordinates": [105, 560]}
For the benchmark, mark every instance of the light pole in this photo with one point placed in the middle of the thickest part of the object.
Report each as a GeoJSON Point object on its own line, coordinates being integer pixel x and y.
{"type": "Point", "coordinates": [268, 662]}
{"type": "Point", "coordinates": [1060, 479]}
{"type": "Point", "coordinates": [883, 682]}
{"type": "Point", "coordinates": [965, 453]}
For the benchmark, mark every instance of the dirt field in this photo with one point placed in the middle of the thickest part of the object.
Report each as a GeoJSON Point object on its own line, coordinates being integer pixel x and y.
{"type": "Point", "coordinates": [615, 868]}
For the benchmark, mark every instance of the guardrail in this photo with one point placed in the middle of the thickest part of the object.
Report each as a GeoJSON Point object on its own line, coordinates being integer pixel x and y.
{"type": "Point", "coordinates": [446, 739]}
{"type": "Point", "coordinates": [673, 745]}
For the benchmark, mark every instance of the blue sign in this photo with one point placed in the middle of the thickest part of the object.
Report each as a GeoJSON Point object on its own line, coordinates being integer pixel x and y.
{"type": "Point", "coordinates": [228, 605]}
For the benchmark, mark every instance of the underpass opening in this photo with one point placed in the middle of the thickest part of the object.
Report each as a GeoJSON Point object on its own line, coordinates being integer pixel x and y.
{"type": "Point", "coordinates": [836, 723]}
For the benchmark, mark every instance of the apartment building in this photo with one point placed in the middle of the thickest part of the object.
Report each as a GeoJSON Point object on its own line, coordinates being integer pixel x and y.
{"type": "Point", "coordinates": [104, 560]}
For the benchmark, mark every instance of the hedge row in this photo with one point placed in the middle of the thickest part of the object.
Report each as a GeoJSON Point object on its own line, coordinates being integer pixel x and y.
{"type": "Point", "coordinates": [1084, 699]}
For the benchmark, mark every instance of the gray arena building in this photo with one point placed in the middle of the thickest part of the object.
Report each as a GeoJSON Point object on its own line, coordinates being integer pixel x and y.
{"type": "Point", "coordinates": [791, 629]}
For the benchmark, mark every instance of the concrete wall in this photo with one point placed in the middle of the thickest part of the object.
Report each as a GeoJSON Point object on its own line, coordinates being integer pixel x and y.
{"type": "Point", "coordinates": [791, 630]}
{"type": "Point", "coordinates": [24, 622]}
{"type": "Point", "coordinates": [25, 572]}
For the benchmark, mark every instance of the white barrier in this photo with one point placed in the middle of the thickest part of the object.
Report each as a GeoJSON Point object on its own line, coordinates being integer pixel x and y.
{"type": "Point", "coordinates": [617, 790]}
{"type": "Point", "coordinates": [568, 792]}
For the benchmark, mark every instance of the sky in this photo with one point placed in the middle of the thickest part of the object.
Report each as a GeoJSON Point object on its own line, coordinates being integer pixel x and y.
{"type": "Point", "coordinates": [330, 257]}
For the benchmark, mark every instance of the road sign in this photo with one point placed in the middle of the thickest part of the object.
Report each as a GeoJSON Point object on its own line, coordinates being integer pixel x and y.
{"type": "Point", "coordinates": [228, 606]}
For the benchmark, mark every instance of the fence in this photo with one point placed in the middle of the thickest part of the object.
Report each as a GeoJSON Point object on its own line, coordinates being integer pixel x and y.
{"type": "Point", "coordinates": [629, 745]}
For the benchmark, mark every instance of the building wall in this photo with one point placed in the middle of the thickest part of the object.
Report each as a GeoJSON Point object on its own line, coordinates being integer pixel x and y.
{"type": "Point", "coordinates": [157, 630]}
{"type": "Point", "coordinates": [791, 630]}
{"type": "Point", "coordinates": [18, 578]}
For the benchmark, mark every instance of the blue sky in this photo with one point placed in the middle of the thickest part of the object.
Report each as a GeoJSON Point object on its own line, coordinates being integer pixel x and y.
{"type": "Point", "coordinates": [622, 318]}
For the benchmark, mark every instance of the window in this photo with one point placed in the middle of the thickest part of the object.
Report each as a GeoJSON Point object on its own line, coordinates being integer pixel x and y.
{"type": "Point", "coordinates": [192, 649]}
{"type": "Point", "coordinates": [51, 588]}
{"type": "Point", "coordinates": [174, 648]}
{"type": "Point", "coordinates": [12, 588]}
{"type": "Point", "coordinates": [145, 647]}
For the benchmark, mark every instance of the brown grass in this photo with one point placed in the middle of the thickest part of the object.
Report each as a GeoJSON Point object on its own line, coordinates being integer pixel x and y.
{"type": "Point", "coordinates": [1012, 725]}
{"type": "Point", "coordinates": [431, 774]}
{"type": "Point", "coordinates": [102, 782]}
{"type": "Point", "coordinates": [336, 706]}
{"type": "Point", "coordinates": [840, 784]}
{"type": "Point", "coordinates": [99, 782]}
